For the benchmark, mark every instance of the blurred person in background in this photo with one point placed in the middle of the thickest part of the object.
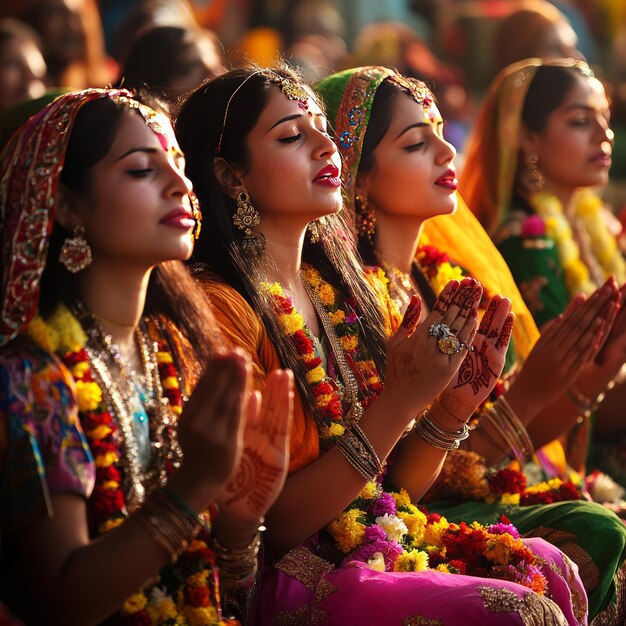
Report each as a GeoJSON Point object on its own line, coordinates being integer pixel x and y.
{"type": "Point", "coordinates": [171, 60]}
{"type": "Point", "coordinates": [71, 38]}
{"type": "Point", "coordinates": [22, 67]}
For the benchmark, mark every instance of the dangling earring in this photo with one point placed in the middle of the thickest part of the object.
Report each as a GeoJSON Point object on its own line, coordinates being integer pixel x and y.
{"type": "Point", "coordinates": [246, 218]}
{"type": "Point", "coordinates": [533, 178]}
{"type": "Point", "coordinates": [365, 219]}
{"type": "Point", "coordinates": [75, 252]}
{"type": "Point", "coordinates": [314, 232]}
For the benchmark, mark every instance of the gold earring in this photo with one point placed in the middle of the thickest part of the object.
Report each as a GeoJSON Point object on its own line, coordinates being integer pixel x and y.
{"type": "Point", "coordinates": [532, 177]}
{"type": "Point", "coordinates": [75, 252]}
{"type": "Point", "coordinates": [246, 218]}
{"type": "Point", "coordinates": [365, 219]}
{"type": "Point", "coordinates": [314, 232]}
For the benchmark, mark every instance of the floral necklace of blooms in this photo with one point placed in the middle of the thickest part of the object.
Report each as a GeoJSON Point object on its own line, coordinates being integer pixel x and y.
{"type": "Point", "coordinates": [188, 591]}
{"type": "Point", "coordinates": [385, 530]}
{"type": "Point", "coordinates": [555, 224]}
{"type": "Point", "coordinates": [343, 316]}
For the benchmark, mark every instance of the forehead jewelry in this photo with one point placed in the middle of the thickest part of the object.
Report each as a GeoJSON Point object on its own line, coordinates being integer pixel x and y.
{"type": "Point", "coordinates": [416, 88]}
{"type": "Point", "coordinates": [290, 89]}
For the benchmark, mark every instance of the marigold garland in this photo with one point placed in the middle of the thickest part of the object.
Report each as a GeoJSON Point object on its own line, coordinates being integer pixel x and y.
{"type": "Point", "coordinates": [588, 208]}
{"type": "Point", "coordinates": [188, 591]}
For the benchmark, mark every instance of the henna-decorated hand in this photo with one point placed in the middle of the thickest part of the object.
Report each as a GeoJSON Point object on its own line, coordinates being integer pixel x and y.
{"type": "Point", "coordinates": [210, 429]}
{"type": "Point", "coordinates": [262, 470]}
{"type": "Point", "coordinates": [417, 370]}
{"type": "Point", "coordinates": [482, 366]}
{"type": "Point", "coordinates": [612, 355]}
{"type": "Point", "coordinates": [565, 347]}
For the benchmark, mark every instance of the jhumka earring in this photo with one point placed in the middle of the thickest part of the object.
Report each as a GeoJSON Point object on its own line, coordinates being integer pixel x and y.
{"type": "Point", "coordinates": [533, 178]}
{"type": "Point", "coordinates": [365, 219]}
{"type": "Point", "coordinates": [75, 252]}
{"type": "Point", "coordinates": [314, 232]}
{"type": "Point", "coordinates": [246, 218]}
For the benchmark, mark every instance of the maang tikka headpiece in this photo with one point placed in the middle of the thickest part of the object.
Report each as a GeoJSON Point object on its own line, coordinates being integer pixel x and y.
{"type": "Point", "coordinates": [290, 88]}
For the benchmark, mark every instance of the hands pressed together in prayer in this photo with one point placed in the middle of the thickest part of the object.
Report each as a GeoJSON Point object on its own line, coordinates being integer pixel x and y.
{"type": "Point", "coordinates": [235, 443]}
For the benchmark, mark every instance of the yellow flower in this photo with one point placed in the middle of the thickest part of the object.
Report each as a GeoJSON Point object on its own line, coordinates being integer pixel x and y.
{"type": "Point", "coordinates": [135, 603]}
{"type": "Point", "coordinates": [110, 524]}
{"type": "Point", "coordinates": [349, 342]}
{"type": "Point", "coordinates": [196, 544]}
{"type": "Point", "coordinates": [369, 491]}
{"type": "Point", "coordinates": [171, 382]}
{"type": "Point", "coordinates": [88, 395]}
{"type": "Point", "coordinates": [347, 530]}
{"type": "Point", "coordinates": [162, 610]}
{"type": "Point", "coordinates": [445, 273]}
{"type": "Point", "coordinates": [100, 431]}
{"type": "Point", "coordinates": [416, 523]}
{"type": "Point", "coordinates": [366, 366]}
{"type": "Point", "coordinates": [200, 616]}
{"type": "Point", "coordinates": [110, 484]}
{"type": "Point", "coordinates": [326, 294]}
{"type": "Point", "coordinates": [499, 549]}
{"type": "Point", "coordinates": [79, 369]}
{"type": "Point", "coordinates": [315, 375]}
{"type": "Point", "coordinates": [40, 333]}
{"type": "Point", "coordinates": [106, 459]}
{"type": "Point", "coordinates": [433, 532]}
{"type": "Point", "coordinates": [164, 357]}
{"type": "Point", "coordinates": [291, 322]}
{"type": "Point", "coordinates": [509, 498]}
{"type": "Point", "coordinates": [413, 561]}
{"type": "Point", "coordinates": [401, 497]}
{"type": "Point", "coordinates": [198, 579]}
{"type": "Point", "coordinates": [443, 568]}
{"type": "Point", "coordinates": [336, 430]}
{"type": "Point", "coordinates": [337, 317]}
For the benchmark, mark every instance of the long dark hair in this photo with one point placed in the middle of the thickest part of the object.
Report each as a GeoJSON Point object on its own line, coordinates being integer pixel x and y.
{"type": "Point", "coordinates": [171, 290]}
{"type": "Point", "coordinates": [198, 127]}
{"type": "Point", "coordinates": [377, 127]}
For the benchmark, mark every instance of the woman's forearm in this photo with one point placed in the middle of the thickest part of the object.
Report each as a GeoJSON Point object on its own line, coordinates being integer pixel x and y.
{"type": "Point", "coordinates": [316, 494]}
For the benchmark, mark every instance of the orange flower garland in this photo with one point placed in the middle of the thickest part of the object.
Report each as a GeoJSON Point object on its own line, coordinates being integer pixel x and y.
{"type": "Point", "coordinates": [345, 322]}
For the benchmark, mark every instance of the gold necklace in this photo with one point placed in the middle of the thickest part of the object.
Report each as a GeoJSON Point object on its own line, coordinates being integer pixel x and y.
{"type": "Point", "coordinates": [356, 408]}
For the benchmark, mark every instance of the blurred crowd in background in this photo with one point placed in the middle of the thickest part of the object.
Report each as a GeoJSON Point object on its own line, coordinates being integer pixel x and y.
{"type": "Point", "coordinates": [456, 46]}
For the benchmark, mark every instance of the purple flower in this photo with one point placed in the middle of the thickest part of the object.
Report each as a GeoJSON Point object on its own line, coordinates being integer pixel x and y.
{"type": "Point", "coordinates": [374, 533]}
{"type": "Point", "coordinates": [533, 226]}
{"type": "Point", "coordinates": [351, 318]}
{"type": "Point", "coordinates": [385, 504]}
{"type": "Point", "coordinates": [501, 528]}
{"type": "Point", "coordinates": [390, 550]}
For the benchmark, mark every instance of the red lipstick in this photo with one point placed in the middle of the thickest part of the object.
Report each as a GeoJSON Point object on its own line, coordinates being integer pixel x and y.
{"type": "Point", "coordinates": [180, 217]}
{"type": "Point", "coordinates": [448, 180]}
{"type": "Point", "coordinates": [328, 176]}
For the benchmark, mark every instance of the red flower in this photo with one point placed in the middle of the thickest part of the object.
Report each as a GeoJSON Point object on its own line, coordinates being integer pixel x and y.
{"type": "Point", "coordinates": [322, 389]}
{"type": "Point", "coordinates": [174, 396]}
{"type": "Point", "coordinates": [197, 596]}
{"type": "Point", "coordinates": [313, 363]}
{"type": "Point", "coordinates": [107, 501]}
{"type": "Point", "coordinates": [303, 344]}
{"type": "Point", "coordinates": [166, 370]}
{"type": "Point", "coordinates": [458, 565]}
{"type": "Point", "coordinates": [73, 358]}
{"type": "Point", "coordinates": [105, 474]}
{"type": "Point", "coordinates": [506, 481]}
{"type": "Point", "coordinates": [140, 618]}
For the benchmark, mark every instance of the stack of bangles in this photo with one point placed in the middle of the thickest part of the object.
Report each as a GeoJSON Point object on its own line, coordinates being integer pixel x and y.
{"type": "Point", "coordinates": [585, 405]}
{"type": "Point", "coordinates": [173, 524]}
{"type": "Point", "coordinates": [431, 433]}
{"type": "Point", "coordinates": [238, 566]}
{"type": "Point", "coordinates": [359, 452]}
{"type": "Point", "coordinates": [510, 428]}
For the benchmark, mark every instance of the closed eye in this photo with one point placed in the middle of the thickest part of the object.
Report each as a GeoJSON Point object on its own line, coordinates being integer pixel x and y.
{"type": "Point", "coordinates": [291, 139]}
{"type": "Point", "coordinates": [140, 173]}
